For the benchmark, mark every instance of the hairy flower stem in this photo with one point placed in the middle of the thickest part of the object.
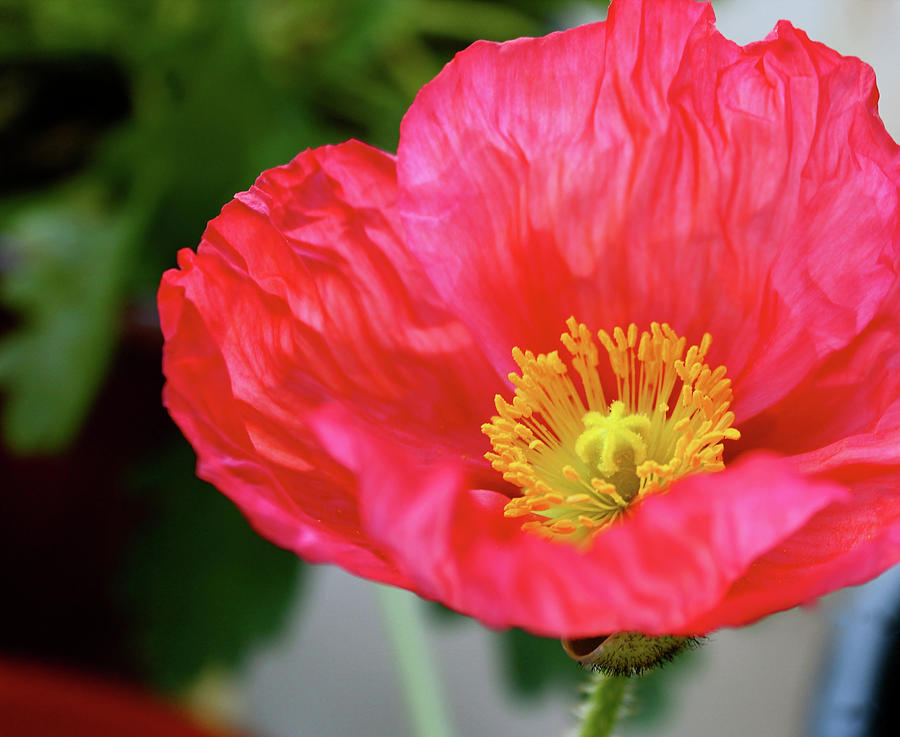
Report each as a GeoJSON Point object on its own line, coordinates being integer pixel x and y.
{"type": "Point", "coordinates": [402, 617]}
{"type": "Point", "coordinates": [605, 697]}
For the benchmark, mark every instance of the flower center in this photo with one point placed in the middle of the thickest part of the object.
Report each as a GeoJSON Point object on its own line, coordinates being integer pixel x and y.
{"type": "Point", "coordinates": [581, 461]}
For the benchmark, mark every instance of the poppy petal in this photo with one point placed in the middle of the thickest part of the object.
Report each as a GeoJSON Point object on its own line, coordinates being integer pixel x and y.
{"type": "Point", "coordinates": [648, 169]}
{"type": "Point", "coordinates": [300, 290]}
{"type": "Point", "coordinates": [842, 545]}
{"type": "Point", "coordinates": [282, 503]}
{"type": "Point", "coordinates": [855, 392]}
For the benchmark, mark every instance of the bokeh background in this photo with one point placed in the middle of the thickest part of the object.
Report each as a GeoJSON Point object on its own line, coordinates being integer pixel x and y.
{"type": "Point", "coordinates": [124, 126]}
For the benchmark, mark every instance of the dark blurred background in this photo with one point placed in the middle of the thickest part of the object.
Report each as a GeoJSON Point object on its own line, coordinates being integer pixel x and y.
{"type": "Point", "coordinates": [124, 127]}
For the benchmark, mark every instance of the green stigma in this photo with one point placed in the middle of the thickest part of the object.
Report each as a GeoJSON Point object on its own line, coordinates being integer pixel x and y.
{"type": "Point", "coordinates": [614, 445]}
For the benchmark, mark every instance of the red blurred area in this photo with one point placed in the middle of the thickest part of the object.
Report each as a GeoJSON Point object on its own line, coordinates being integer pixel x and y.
{"type": "Point", "coordinates": [36, 701]}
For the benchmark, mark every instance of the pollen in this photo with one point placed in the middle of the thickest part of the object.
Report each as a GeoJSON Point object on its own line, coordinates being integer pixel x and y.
{"type": "Point", "coordinates": [582, 458]}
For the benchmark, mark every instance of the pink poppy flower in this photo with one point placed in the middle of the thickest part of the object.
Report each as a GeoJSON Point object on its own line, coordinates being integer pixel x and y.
{"type": "Point", "coordinates": [337, 341]}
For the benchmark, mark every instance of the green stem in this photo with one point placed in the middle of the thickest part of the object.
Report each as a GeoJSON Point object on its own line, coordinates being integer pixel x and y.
{"type": "Point", "coordinates": [402, 616]}
{"type": "Point", "coordinates": [602, 708]}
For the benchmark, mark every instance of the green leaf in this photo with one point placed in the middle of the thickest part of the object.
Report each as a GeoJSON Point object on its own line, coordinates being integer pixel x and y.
{"type": "Point", "coordinates": [535, 664]}
{"type": "Point", "coordinates": [201, 585]}
{"type": "Point", "coordinates": [65, 259]}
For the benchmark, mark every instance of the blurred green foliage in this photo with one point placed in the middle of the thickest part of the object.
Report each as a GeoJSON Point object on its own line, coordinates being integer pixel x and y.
{"type": "Point", "coordinates": [65, 256]}
{"type": "Point", "coordinates": [216, 92]}
{"type": "Point", "coordinates": [534, 664]}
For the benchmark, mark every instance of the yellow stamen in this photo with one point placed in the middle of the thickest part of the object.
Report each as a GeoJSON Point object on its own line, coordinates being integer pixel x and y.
{"type": "Point", "coordinates": [581, 461]}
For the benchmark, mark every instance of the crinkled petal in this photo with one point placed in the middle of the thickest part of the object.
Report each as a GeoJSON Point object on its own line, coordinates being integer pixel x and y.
{"type": "Point", "coordinates": [301, 290]}
{"type": "Point", "coordinates": [311, 510]}
{"type": "Point", "coordinates": [648, 169]}
{"type": "Point", "coordinates": [843, 545]}
{"type": "Point", "coordinates": [849, 413]}
{"type": "Point", "coordinates": [852, 399]}
{"type": "Point", "coordinates": [670, 561]}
